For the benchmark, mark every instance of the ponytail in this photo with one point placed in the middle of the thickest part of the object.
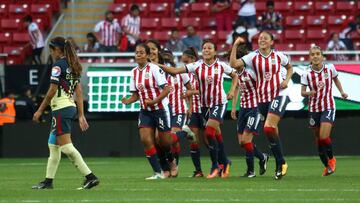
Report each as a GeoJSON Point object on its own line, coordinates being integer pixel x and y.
{"type": "Point", "coordinates": [72, 58]}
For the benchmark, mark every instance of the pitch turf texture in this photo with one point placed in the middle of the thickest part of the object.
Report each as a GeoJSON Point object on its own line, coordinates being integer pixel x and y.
{"type": "Point", "coordinates": [123, 180]}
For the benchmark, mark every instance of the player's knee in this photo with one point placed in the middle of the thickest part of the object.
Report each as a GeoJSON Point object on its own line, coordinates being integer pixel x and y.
{"type": "Point", "coordinates": [210, 132]}
{"type": "Point", "coordinates": [68, 149]}
{"type": "Point", "coordinates": [55, 154]}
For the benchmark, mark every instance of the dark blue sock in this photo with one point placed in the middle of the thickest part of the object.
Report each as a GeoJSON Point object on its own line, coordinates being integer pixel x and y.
{"type": "Point", "coordinates": [163, 161]}
{"type": "Point", "coordinates": [323, 155]}
{"type": "Point", "coordinates": [222, 156]}
{"type": "Point", "coordinates": [195, 156]}
{"type": "Point", "coordinates": [152, 157]}
{"type": "Point", "coordinates": [276, 149]}
{"type": "Point", "coordinates": [250, 160]}
{"type": "Point", "coordinates": [213, 150]}
{"type": "Point", "coordinates": [329, 151]}
{"type": "Point", "coordinates": [257, 153]}
{"type": "Point", "coordinates": [181, 134]}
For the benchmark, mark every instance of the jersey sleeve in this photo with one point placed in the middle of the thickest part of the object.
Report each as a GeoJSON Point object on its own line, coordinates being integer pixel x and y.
{"type": "Point", "coordinates": [55, 74]}
{"type": "Point", "coordinates": [304, 80]}
{"type": "Point", "coordinates": [247, 59]}
{"type": "Point", "coordinates": [227, 69]}
{"type": "Point", "coordinates": [284, 59]}
{"type": "Point", "coordinates": [159, 76]}
{"type": "Point", "coordinates": [33, 27]}
{"type": "Point", "coordinates": [333, 71]}
{"type": "Point", "coordinates": [132, 83]}
{"type": "Point", "coordinates": [97, 27]}
{"type": "Point", "coordinates": [191, 67]}
{"type": "Point", "coordinates": [185, 77]}
{"type": "Point", "coordinates": [117, 27]}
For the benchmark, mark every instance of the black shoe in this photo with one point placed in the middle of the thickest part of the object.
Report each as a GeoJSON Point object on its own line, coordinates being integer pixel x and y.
{"type": "Point", "coordinates": [281, 171]}
{"type": "Point", "coordinates": [263, 164]}
{"type": "Point", "coordinates": [197, 174]}
{"type": "Point", "coordinates": [249, 174]}
{"type": "Point", "coordinates": [89, 183]}
{"type": "Point", "coordinates": [43, 185]}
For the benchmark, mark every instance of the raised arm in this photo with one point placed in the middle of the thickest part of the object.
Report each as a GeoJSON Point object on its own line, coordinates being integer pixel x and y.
{"type": "Point", "coordinates": [172, 70]}
{"type": "Point", "coordinates": [339, 87]}
{"type": "Point", "coordinates": [238, 64]}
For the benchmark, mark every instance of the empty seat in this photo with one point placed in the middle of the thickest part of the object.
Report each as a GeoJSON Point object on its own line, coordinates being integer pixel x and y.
{"type": "Point", "coordinates": [345, 7]}
{"type": "Point", "coordinates": [336, 20]}
{"type": "Point", "coordinates": [294, 21]}
{"type": "Point", "coordinates": [3, 10]}
{"type": "Point", "coordinates": [5, 38]}
{"type": "Point", "coordinates": [18, 11]}
{"type": "Point", "coordinates": [322, 7]}
{"type": "Point", "coordinates": [54, 4]}
{"type": "Point", "coordinates": [42, 11]}
{"type": "Point", "coordinates": [167, 23]}
{"type": "Point", "coordinates": [207, 35]}
{"type": "Point", "coordinates": [316, 21]}
{"type": "Point", "coordinates": [195, 22]}
{"type": "Point", "coordinates": [303, 7]}
{"type": "Point", "coordinates": [283, 7]}
{"type": "Point", "coordinates": [200, 9]}
{"type": "Point", "coordinates": [10, 24]}
{"type": "Point", "coordinates": [159, 9]}
{"type": "Point", "coordinates": [302, 47]}
{"type": "Point", "coordinates": [162, 36]}
{"type": "Point", "coordinates": [20, 38]}
{"type": "Point", "coordinates": [319, 35]}
{"type": "Point", "coordinates": [260, 6]}
{"type": "Point", "coordinates": [294, 36]}
{"type": "Point", "coordinates": [150, 23]}
{"type": "Point", "coordinates": [284, 47]}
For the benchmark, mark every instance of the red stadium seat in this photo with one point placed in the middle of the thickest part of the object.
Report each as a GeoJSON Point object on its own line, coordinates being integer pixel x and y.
{"type": "Point", "coordinates": [284, 47]}
{"type": "Point", "coordinates": [235, 7]}
{"type": "Point", "coordinates": [303, 47]}
{"type": "Point", "coordinates": [3, 10]}
{"type": "Point", "coordinates": [207, 35]}
{"type": "Point", "coordinates": [10, 24]}
{"type": "Point", "coordinates": [18, 11]}
{"type": "Point", "coordinates": [208, 23]}
{"type": "Point", "coordinates": [42, 23]}
{"type": "Point", "coordinates": [319, 35]}
{"type": "Point", "coordinates": [335, 20]}
{"type": "Point", "coordinates": [5, 38]}
{"type": "Point", "coordinates": [20, 38]}
{"type": "Point", "coordinates": [294, 21]}
{"type": "Point", "coordinates": [283, 7]}
{"type": "Point", "coordinates": [184, 10]}
{"type": "Point", "coordinates": [15, 54]}
{"type": "Point", "coordinates": [118, 8]}
{"type": "Point", "coordinates": [303, 7]}
{"type": "Point", "coordinates": [316, 21]}
{"type": "Point", "coordinates": [260, 6]}
{"type": "Point", "coordinates": [324, 7]}
{"type": "Point", "coordinates": [345, 7]}
{"type": "Point", "coordinates": [184, 22]}
{"type": "Point", "coordinates": [54, 4]}
{"type": "Point", "coordinates": [167, 23]}
{"type": "Point", "coordinates": [145, 35]}
{"type": "Point", "coordinates": [222, 36]}
{"type": "Point", "coordinates": [159, 9]}
{"type": "Point", "coordinates": [278, 35]}
{"type": "Point", "coordinates": [294, 36]}
{"type": "Point", "coordinates": [200, 9]}
{"type": "Point", "coordinates": [42, 11]}
{"type": "Point", "coordinates": [150, 23]}
{"type": "Point", "coordinates": [162, 36]}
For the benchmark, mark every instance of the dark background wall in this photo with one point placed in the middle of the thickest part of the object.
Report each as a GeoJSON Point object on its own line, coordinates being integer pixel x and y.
{"type": "Point", "coordinates": [120, 138]}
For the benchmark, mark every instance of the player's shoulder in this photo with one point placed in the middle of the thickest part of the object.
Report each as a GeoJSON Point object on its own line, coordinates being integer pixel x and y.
{"type": "Point", "coordinates": [329, 66]}
{"type": "Point", "coordinates": [62, 63]}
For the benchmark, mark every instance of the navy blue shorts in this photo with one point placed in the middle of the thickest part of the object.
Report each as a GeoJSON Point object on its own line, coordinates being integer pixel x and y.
{"type": "Point", "coordinates": [178, 120]}
{"type": "Point", "coordinates": [61, 122]}
{"type": "Point", "coordinates": [159, 119]}
{"type": "Point", "coordinates": [316, 118]}
{"type": "Point", "coordinates": [248, 120]}
{"type": "Point", "coordinates": [195, 121]}
{"type": "Point", "coordinates": [276, 106]}
{"type": "Point", "coordinates": [215, 113]}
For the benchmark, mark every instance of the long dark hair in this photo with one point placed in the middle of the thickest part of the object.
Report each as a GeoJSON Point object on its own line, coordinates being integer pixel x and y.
{"type": "Point", "coordinates": [192, 53]}
{"type": "Point", "coordinates": [70, 54]}
{"type": "Point", "coordinates": [158, 46]}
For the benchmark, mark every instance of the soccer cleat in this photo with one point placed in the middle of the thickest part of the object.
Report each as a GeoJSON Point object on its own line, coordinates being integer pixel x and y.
{"type": "Point", "coordinates": [189, 134]}
{"type": "Point", "coordinates": [226, 170]}
{"type": "Point", "coordinates": [332, 164]}
{"type": "Point", "coordinates": [156, 176]}
{"type": "Point", "coordinates": [173, 169]}
{"type": "Point", "coordinates": [263, 164]}
{"type": "Point", "coordinates": [249, 174]}
{"type": "Point", "coordinates": [89, 183]}
{"type": "Point", "coordinates": [214, 172]}
{"type": "Point", "coordinates": [281, 171]}
{"type": "Point", "coordinates": [197, 174]}
{"type": "Point", "coordinates": [43, 185]}
{"type": "Point", "coordinates": [327, 171]}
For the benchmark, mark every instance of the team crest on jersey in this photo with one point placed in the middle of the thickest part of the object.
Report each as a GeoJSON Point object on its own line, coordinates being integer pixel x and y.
{"type": "Point", "coordinates": [216, 70]}
{"type": "Point", "coordinates": [312, 122]}
{"type": "Point", "coordinates": [242, 86]}
{"type": "Point", "coordinates": [140, 87]}
{"type": "Point", "coordinates": [321, 84]}
{"type": "Point", "coordinates": [209, 79]}
{"type": "Point", "coordinates": [326, 75]}
{"type": "Point", "coordinates": [267, 76]}
{"type": "Point", "coordinates": [147, 75]}
{"type": "Point", "coordinates": [175, 81]}
{"type": "Point", "coordinates": [172, 89]}
{"type": "Point", "coordinates": [68, 70]}
{"type": "Point", "coordinates": [273, 61]}
{"type": "Point", "coordinates": [55, 71]}
{"type": "Point", "coordinates": [245, 78]}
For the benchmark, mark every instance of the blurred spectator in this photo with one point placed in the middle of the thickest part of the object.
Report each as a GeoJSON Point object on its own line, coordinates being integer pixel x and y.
{"type": "Point", "coordinates": [24, 105]}
{"type": "Point", "coordinates": [175, 43]}
{"type": "Point", "coordinates": [240, 30]}
{"type": "Point", "coordinates": [168, 57]}
{"type": "Point", "coordinates": [92, 44]}
{"type": "Point", "coordinates": [36, 39]}
{"type": "Point", "coordinates": [223, 14]}
{"type": "Point", "coordinates": [351, 26]}
{"type": "Point", "coordinates": [178, 5]}
{"type": "Point", "coordinates": [336, 44]}
{"type": "Point", "coordinates": [76, 47]}
{"type": "Point", "coordinates": [7, 109]}
{"type": "Point", "coordinates": [130, 24]}
{"type": "Point", "coordinates": [247, 12]}
{"type": "Point", "coordinates": [271, 20]}
{"type": "Point", "coordinates": [191, 39]}
{"type": "Point", "coordinates": [107, 31]}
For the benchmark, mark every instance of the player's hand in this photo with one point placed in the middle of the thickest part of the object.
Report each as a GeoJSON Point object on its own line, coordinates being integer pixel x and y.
{"type": "Point", "coordinates": [189, 113]}
{"type": "Point", "coordinates": [83, 123]}
{"type": "Point", "coordinates": [124, 101]}
{"type": "Point", "coordinates": [230, 95]}
{"type": "Point", "coordinates": [36, 116]}
{"type": "Point", "coordinates": [149, 102]}
{"type": "Point", "coordinates": [312, 93]}
{"type": "Point", "coordinates": [344, 95]}
{"type": "Point", "coordinates": [233, 114]}
{"type": "Point", "coordinates": [284, 84]}
{"type": "Point", "coordinates": [238, 41]}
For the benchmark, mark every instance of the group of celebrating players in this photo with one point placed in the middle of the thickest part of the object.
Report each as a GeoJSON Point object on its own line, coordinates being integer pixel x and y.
{"type": "Point", "coordinates": [261, 77]}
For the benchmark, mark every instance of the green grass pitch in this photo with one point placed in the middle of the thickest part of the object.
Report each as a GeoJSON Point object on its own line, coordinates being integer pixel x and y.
{"type": "Point", "coordinates": [122, 180]}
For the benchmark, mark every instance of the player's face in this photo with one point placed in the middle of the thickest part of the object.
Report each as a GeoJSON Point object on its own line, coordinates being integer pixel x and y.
{"type": "Point", "coordinates": [56, 53]}
{"type": "Point", "coordinates": [265, 41]}
{"type": "Point", "coordinates": [208, 51]}
{"type": "Point", "coordinates": [316, 57]}
{"type": "Point", "coordinates": [185, 59]}
{"type": "Point", "coordinates": [154, 52]}
{"type": "Point", "coordinates": [140, 55]}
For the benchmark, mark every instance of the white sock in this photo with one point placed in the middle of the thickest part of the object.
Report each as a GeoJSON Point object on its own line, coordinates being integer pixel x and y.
{"type": "Point", "coordinates": [53, 161]}
{"type": "Point", "coordinates": [76, 158]}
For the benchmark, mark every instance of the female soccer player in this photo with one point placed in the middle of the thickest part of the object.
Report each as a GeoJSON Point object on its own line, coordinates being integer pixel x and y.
{"type": "Point", "coordinates": [248, 120]}
{"type": "Point", "coordinates": [209, 72]}
{"type": "Point", "coordinates": [319, 78]}
{"type": "Point", "coordinates": [266, 64]}
{"type": "Point", "coordinates": [64, 82]}
{"type": "Point", "coordinates": [148, 83]}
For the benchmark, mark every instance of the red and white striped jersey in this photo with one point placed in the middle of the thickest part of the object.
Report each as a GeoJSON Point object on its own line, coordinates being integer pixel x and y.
{"type": "Point", "coordinates": [132, 25]}
{"type": "Point", "coordinates": [35, 35]}
{"type": "Point", "coordinates": [247, 85]}
{"type": "Point", "coordinates": [109, 32]}
{"type": "Point", "coordinates": [321, 82]}
{"type": "Point", "coordinates": [147, 82]}
{"type": "Point", "coordinates": [267, 70]}
{"type": "Point", "coordinates": [211, 81]}
{"type": "Point", "coordinates": [196, 103]}
{"type": "Point", "coordinates": [177, 83]}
